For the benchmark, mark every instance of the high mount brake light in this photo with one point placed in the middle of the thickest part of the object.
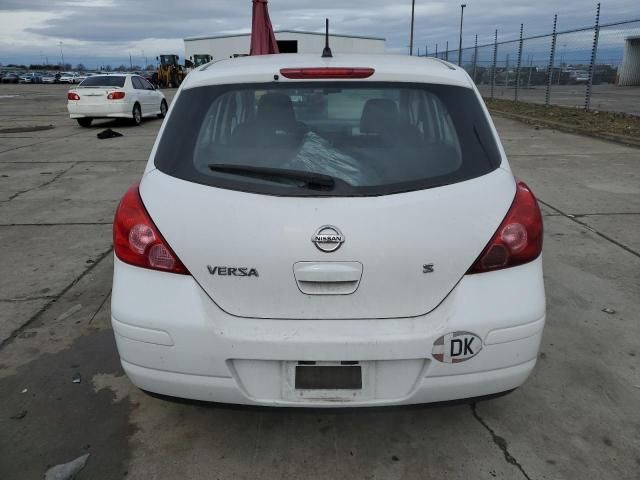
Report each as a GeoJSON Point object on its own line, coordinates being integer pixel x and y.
{"type": "Point", "coordinates": [326, 72]}
{"type": "Point", "coordinates": [73, 96]}
{"type": "Point", "coordinates": [136, 239]}
{"type": "Point", "coordinates": [115, 96]}
{"type": "Point", "coordinates": [518, 240]}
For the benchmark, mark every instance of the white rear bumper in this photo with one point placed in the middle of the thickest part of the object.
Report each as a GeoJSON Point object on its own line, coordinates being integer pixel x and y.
{"type": "Point", "coordinates": [116, 109]}
{"type": "Point", "coordinates": [175, 341]}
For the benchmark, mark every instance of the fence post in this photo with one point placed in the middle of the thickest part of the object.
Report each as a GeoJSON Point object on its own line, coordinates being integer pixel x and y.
{"type": "Point", "coordinates": [554, 38]}
{"type": "Point", "coordinates": [446, 55]}
{"type": "Point", "coordinates": [436, 50]}
{"type": "Point", "coordinates": [493, 67]}
{"type": "Point", "coordinates": [592, 64]}
{"type": "Point", "coordinates": [519, 64]}
{"type": "Point", "coordinates": [475, 58]}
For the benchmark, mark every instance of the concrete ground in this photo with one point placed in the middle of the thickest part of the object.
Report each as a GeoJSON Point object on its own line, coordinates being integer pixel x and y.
{"type": "Point", "coordinates": [577, 417]}
{"type": "Point", "coordinates": [604, 97]}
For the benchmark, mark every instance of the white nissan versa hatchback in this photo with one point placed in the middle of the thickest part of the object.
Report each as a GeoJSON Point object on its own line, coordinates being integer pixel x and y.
{"type": "Point", "coordinates": [328, 232]}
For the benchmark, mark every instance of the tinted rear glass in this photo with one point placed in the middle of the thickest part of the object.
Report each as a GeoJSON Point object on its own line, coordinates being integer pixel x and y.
{"type": "Point", "coordinates": [103, 81]}
{"type": "Point", "coordinates": [372, 138]}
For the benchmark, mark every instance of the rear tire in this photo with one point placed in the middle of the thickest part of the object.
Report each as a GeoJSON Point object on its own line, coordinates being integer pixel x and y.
{"type": "Point", "coordinates": [163, 109]}
{"type": "Point", "coordinates": [136, 115]}
{"type": "Point", "coordinates": [84, 122]}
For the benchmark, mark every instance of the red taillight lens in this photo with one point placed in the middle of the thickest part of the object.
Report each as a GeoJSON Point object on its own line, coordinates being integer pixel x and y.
{"type": "Point", "coordinates": [518, 240]}
{"type": "Point", "coordinates": [137, 241]}
{"type": "Point", "coordinates": [73, 96]}
{"type": "Point", "coordinates": [115, 96]}
{"type": "Point", "coordinates": [326, 72]}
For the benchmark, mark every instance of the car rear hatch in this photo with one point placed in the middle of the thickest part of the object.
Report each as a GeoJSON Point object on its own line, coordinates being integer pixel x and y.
{"type": "Point", "coordinates": [390, 239]}
{"type": "Point", "coordinates": [333, 200]}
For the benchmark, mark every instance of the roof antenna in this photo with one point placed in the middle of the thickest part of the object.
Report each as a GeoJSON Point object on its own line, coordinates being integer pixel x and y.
{"type": "Point", "coordinates": [326, 53]}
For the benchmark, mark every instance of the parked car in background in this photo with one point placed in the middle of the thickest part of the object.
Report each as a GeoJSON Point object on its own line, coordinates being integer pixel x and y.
{"type": "Point", "coordinates": [115, 96]}
{"type": "Point", "coordinates": [580, 76]}
{"type": "Point", "coordinates": [364, 245]}
{"type": "Point", "coordinates": [69, 77]}
{"type": "Point", "coordinates": [31, 77]}
{"type": "Point", "coordinates": [11, 78]}
{"type": "Point", "coordinates": [50, 78]}
{"type": "Point", "coordinates": [83, 76]}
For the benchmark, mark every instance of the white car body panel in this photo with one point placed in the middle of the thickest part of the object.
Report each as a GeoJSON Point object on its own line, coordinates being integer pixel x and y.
{"type": "Point", "coordinates": [93, 101]}
{"type": "Point", "coordinates": [174, 340]}
{"type": "Point", "coordinates": [225, 339]}
{"type": "Point", "coordinates": [393, 236]}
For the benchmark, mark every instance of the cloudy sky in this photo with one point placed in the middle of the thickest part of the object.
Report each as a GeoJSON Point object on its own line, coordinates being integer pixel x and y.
{"type": "Point", "coordinates": [96, 32]}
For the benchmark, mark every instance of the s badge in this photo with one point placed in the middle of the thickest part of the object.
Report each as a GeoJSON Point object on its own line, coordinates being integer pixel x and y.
{"type": "Point", "coordinates": [456, 347]}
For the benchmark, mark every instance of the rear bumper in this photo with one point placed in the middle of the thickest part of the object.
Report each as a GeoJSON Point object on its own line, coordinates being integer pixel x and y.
{"type": "Point", "coordinates": [117, 109]}
{"type": "Point", "coordinates": [173, 340]}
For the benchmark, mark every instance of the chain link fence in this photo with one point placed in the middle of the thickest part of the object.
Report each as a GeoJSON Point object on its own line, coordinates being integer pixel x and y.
{"type": "Point", "coordinates": [596, 67]}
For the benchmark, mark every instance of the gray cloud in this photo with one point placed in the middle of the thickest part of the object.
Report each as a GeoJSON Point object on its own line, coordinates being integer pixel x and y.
{"type": "Point", "coordinates": [121, 22]}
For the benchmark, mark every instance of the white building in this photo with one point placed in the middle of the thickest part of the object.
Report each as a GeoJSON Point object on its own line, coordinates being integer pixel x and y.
{"type": "Point", "coordinates": [629, 72]}
{"type": "Point", "coordinates": [289, 41]}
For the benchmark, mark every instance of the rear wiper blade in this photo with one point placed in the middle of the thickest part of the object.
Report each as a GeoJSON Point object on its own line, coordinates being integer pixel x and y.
{"type": "Point", "coordinates": [306, 179]}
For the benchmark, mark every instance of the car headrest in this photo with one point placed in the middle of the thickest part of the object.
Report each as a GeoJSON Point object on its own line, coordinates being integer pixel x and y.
{"type": "Point", "coordinates": [379, 115]}
{"type": "Point", "coordinates": [276, 110]}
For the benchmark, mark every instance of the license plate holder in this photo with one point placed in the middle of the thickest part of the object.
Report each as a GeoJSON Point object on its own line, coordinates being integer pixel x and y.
{"type": "Point", "coordinates": [328, 377]}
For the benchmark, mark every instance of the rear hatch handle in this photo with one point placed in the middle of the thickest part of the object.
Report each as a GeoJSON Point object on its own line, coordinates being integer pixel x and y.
{"type": "Point", "coordinates": [328, 278]}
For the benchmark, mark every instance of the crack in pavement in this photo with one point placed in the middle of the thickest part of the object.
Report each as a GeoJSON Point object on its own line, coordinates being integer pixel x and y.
{"type": "Point", "coordinates": [57, 297]}
{"type": "Point", "coordinates": [40, 143]}
{"type": "Point", "coordinates": [499, 441]}
{"type": "Point", "coordinates": [107, 296]}
{"type": "Point", "coordinates": [26, 299]}
{"type": "Point", "coordinates": [48, 182]}
{"type": "Point", "coordinates": [591, 229]}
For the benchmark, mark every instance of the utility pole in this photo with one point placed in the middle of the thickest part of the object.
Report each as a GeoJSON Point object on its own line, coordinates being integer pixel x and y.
{"type": "Point", "coordinates": [62, 56]}
{"type": "Point", "coordinates": [460, 44]}
{"type": "Point", "coordinates": [413, 11]}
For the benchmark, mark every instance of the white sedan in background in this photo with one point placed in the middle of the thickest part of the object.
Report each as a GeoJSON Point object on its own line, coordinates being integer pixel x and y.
{"type": "Point", "coordinates": [69, 77]}
{"type": "Point", "coordinates": [115, 96]}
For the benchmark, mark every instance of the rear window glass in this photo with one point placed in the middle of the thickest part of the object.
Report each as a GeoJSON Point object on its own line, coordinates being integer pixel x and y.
{"type": "Point", "coordinates": [103, 81]}
{"type": "Point", "coordinates": [370, 138]}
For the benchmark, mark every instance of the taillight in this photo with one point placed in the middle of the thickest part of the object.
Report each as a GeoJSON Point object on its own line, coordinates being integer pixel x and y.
{"type": "Point", "coordinates": [136, 239]}
{"type": "Point", "coordinates": [73, 96]}
{"type": "Point", "coordinates": [518, 240]}
{"type": "Point", "coordinates": [326, 72]}
{"type": "Point", "coordinates": [115, 96]}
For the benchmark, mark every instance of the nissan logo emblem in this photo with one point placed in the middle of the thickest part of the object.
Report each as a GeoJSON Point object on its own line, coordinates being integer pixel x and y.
{"type": "Point", "coordinates": [328, 238]}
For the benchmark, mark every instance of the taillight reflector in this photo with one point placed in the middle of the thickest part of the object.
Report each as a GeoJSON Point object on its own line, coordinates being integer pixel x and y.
{"type": "Point", "coordinates": [326, 72]}
{"type": "Point", "coordinates": [136, 239]}
{"type": "Point", "coordinates": [518, 240]}
{"type": "Point", "coordinates": [73, 96]}
{"type": "Point", "coordinates": [115, 96]}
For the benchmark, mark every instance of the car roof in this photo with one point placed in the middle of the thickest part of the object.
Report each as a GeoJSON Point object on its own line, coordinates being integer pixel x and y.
{"type": "Point", "coordinates": [388, 68]}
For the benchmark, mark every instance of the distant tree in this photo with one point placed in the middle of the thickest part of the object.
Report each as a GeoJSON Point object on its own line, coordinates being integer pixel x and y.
{"type": "Point", "coordinates": [80, 67]}
{"type": "Point", "coordinates": [121, 68]}
{"type": "Point", "coordinates": [107, 68]}
{"type": "Point", "coordinates": [137, 67]}
{"type": "Point", "coordinates": [151, 67]}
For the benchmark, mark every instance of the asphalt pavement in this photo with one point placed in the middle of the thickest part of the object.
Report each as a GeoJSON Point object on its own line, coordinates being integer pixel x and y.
{"type": "Point", "coordinates": [577, 417]}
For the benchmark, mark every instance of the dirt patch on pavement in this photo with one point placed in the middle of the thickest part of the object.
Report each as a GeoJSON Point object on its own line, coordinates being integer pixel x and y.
{"type": "Point", "coordinates": [617, 127]}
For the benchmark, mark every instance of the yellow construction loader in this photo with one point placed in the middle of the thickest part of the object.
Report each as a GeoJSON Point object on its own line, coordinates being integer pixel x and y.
{"type": "Point", "coordinates": [170, 73]}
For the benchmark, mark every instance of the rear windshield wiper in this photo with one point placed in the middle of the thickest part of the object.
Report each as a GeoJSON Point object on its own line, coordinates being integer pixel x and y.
{"type": "Point", "coordinates": [316, 181]}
